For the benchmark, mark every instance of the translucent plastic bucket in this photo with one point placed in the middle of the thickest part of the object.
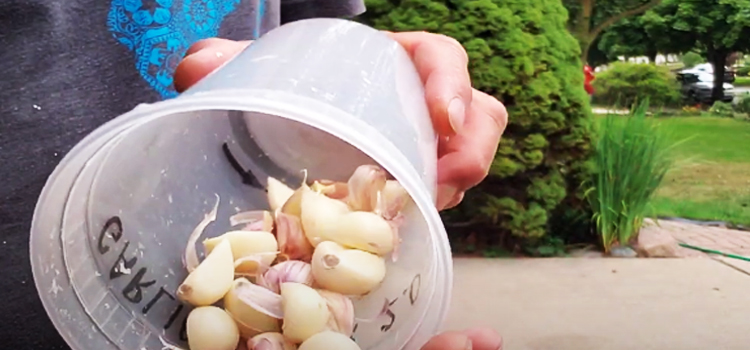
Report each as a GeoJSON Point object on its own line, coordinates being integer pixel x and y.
{"type": "Point", "coordinates": [323, 95]}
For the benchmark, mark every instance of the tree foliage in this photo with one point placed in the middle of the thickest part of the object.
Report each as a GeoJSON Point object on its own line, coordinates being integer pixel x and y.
{"type": "Point", "coordinates": [716, 27]}
{"type": "Point", "coordinates": [589, 18]}
{"type": "Point", "coordinates": [521, 53]}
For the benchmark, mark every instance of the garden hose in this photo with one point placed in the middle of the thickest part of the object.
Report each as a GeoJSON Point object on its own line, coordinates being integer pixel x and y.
{"type": "Point", "coordinates": [711, 251]}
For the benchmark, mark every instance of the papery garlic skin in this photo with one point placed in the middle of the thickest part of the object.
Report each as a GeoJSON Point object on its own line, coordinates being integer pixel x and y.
{"type": "Point", "coordinates": [248, 243]}
{"type": "Point", "coordinates": [326, 219]}
{"type": "Point", "coordinates": [287, 271]}
{"type": "Point", "coordinates": [342, 312]}
{"type": "Point", "coordinates": [250, 322]}
{"type": "Point", "coordinates": [270, 341]}
{"type": "Point", "coordinates": [278, 193]}
{"type": "Point", "coordinates": [332, 189]}
{"type": "Point", "coordinates": [392, 200]}
{"type": "Point", "coordinates": [329, 340]}
{"type": "Point", "coordinates": [305, 312]}
{"type": "Point", "coordinates": [293, 243]}
{"type": "Point", "coordinates": [364, 185]}
{"type": "Point", "coordinates": [211, 328]}
{"type": "Point", "coordinates": [346, 271]}
{"type": "Point", "coordinates": [293, 205]}
{"type": "Point", "coordinates": [212, 278]}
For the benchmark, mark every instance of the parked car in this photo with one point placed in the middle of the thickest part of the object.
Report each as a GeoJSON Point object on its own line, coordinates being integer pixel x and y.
{"type": "Point", "coordinates": [698, 84]}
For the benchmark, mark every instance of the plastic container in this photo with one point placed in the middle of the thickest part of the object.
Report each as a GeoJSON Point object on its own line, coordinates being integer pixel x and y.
{"type": "Point", "coordinates": [324, 95]}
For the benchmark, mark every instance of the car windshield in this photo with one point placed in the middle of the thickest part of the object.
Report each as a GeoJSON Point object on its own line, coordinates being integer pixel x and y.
{"type": "Point", "coordinates": [708, 78]}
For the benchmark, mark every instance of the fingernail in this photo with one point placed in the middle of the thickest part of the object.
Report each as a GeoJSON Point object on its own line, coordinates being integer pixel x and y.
{"type": "Point", "coordinates": [456, 114]}
{"type": "Point", "coordinates": [446, 194]}
{"type": "Point", "coordinates": [468, 345]}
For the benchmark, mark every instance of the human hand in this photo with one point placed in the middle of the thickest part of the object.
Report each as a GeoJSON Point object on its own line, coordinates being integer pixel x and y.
{"type": "Point", "coordinates": [472, 339]}
{"type": "Point", "coordinates": [469, 122]}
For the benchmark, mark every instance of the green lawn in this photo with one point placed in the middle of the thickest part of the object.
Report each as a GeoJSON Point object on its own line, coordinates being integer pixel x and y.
{"type": "Point", "coordinates": [741, 81]}
{"type": "Point", "coordinates": [712, 178]}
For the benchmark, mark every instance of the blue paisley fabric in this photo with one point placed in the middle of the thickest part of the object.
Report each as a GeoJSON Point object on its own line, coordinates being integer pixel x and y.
{"type": "Point", "coordinates": [159, 32]}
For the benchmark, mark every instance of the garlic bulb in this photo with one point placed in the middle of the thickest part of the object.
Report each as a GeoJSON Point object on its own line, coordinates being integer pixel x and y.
{"type": "Point", "coordinates": [329, 341]}
{"type": "Point", "coordinates": [212, 279]}
{"type": "Point", "coordinates": [346, 271]}
{"type": "Point", "coordinates": [211, 328]}
{"type": "Point", "coordinates": [305, 312]}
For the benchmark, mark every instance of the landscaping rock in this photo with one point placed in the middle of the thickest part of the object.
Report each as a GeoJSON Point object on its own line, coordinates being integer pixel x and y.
{"type": "Point", "coordinates": [654, 242]}
{"type": "Point", "coordinates": [623, 252]}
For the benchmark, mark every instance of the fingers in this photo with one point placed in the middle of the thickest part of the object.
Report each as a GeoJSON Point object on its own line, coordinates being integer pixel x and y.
{"type": "Point", "coordinates": [447, 82]}
{"type": "Point", "coordinates": [203, 58]}
{"type": "Point", "coordinates": [472, 339]}
{"type": "Point", "coordinates": [449, 341]}
{"type": "Point", "coordinates": [484, 339]}
{"type": "Point", "coordinates": [465, 159]}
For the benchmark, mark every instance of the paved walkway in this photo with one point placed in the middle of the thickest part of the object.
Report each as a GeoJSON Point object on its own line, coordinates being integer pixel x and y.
{"type": "Point", "coordinates": [604, 304]}
{"type": "Point", "coordinates": [715, 238]}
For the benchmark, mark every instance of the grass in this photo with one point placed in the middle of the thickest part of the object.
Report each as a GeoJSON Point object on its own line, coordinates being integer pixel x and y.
{"type": "Point", "coordinates": [711, 180]}
{"type": "Point", "coordinates": [633, 155]}
{"type": "Point", "coordinates": [741, 81]}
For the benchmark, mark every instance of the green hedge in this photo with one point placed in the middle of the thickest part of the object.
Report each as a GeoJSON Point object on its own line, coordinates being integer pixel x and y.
{"type": "Point", "coordinates": [520, 52]}
{"type": "Point", "coordinates": [624, 84]}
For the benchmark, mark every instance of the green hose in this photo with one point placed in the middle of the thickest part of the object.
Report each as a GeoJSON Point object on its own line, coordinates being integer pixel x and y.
{"type": "Point", "coordinates": [711, 251]}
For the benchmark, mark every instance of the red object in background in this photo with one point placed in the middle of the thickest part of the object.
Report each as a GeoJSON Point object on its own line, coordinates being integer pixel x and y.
{"type": "Point", "coordinates": [588, 74]}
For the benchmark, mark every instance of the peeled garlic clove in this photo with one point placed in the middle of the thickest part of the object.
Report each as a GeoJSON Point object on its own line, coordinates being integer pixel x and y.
{"type": "Point", "coordinates": [250, 320]}
{"type": "Point", "coordinates": [365, 231]}
{"type": "Point", "coordinates": [342, 312]}
{"type": "Point", "coordinates": [254, 265]}
{"type": "Point", "coordinates": [346, 271]}
{"type": "Point", "coordinates": [212, 279]}
{"type": "Point", "coordinates": [287, 271]}
{"type": "Point", "coordinates": [247, 243]}
{"type": "Point", "coordinates": [293, 205]}
{"type": "Point", "coordinates": [305, 312]}
{"type": "Point", "coordinates": [391, 200]}
{"type": "Point", "coordinates": [320, 216]}
{"type": "Point", "coordinates": [270, 341]}
{"type": "Point", "coordinates": [292, 241]}
{"type": "Point", "coordinates": [329, 340]}
{"type": "Point", "coordinates": [364, 185]}
{"type": "Point", "coordinates": [335, 190]}
{"type": "Point", "coordinates": [278, 193]}
{"type": "Point", "coordinates": [211, 328]}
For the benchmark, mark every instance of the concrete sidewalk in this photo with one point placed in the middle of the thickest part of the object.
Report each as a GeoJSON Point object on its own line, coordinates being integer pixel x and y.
{"type": "Point", "coordinates": [604, 304]}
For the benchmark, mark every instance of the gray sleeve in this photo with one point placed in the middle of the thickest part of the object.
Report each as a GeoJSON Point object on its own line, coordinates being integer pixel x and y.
{"type": "Point", "coordinates": [293, 10]}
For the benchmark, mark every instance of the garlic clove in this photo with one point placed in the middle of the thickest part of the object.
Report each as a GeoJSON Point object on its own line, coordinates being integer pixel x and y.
{"type": "Point", "coordinates": [212, 279]}
{"type": "Point", "coordinates": [270, 341]}
{"type": "Point", "coordinates": [320, 216]}
{"type": "Point", "coordinates": [293, 206]}
{"type": "Point", "coordinates": [329, 340]}
{"type": "Point", "coordinates": [247, 243]}
{"type": "Point", "coordinates": [211, 328]}
{"type": "Point", "coordinates": [364, 185]}
{"type": "Point", "coordinates": [250, 320]}
{"type": "Point", "coordinates": [335, 190]}
{"type": "Point", "coordinates": [253, 266]}
{"type": "Point", "coordinates": [342, 312]}
{"type": "Point", "coordinates": [254, 220]}
{"type": "Point", "coordinates": [365, 231]}
{"type": "Point", "coordinates": [305, 312]}
{"type": "Point", "coordinates": [292, 241]}
{"type": "Point", "coordinates": [346, 271]}
{"type": "Point", "coordinates": [287, 271]}
{"type": "Point", "coordinates": [278, 193]}
{"type": "Point", "coordinates": [391, 200]}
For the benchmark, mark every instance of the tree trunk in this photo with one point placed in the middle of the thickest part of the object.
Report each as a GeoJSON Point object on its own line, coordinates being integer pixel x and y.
{"type": "Point", "coordinates": [651, 54]}
{"type": "Point", "coordinates": [719, 61]}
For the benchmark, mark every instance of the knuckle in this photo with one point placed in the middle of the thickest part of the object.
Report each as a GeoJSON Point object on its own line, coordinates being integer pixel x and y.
{"type": "Point", "coordinates": [454, 46]}
{"type": "Point", "coordinates": [477, 168]}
